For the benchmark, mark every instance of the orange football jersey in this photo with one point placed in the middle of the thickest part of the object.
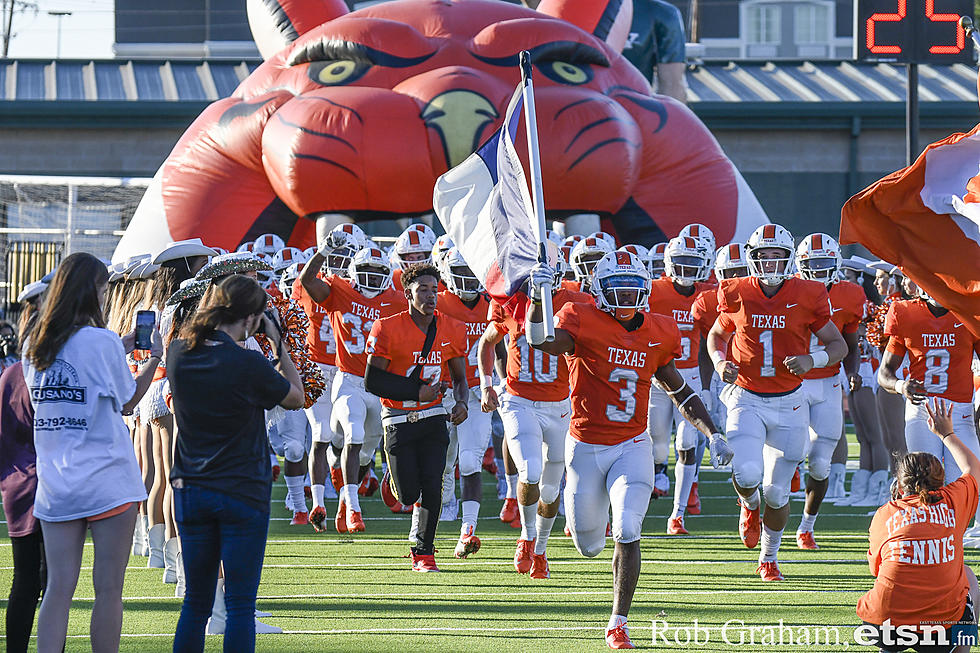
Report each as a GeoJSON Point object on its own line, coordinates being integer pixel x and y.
{"type": "Point", "coordinates": [665, 300]}
{"type": "Point", "coordinates": [476, 320]}
{"type": "Point", "coordinates": [571, 285]}
{"type": "Point", "coordinates": [398, 339]}
{"type": "Point", "coordinates": [847, 306]}
{"type": "Point", "coordinates": [531, 373]}
{"type": "Point", "coordinates": [940, 348]}
{"type": "Point", "coordinates": [319, 338]}
{"type": "Point", "coordinates": [351, 317]}
{"type": "Point", "coordinates": [611, 370]}
{"type": "Point", "coordinates": [768, 329]}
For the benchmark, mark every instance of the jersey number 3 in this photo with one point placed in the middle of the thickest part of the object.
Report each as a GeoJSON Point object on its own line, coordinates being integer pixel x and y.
{"type": "Point", "coordinates": [627, 395]}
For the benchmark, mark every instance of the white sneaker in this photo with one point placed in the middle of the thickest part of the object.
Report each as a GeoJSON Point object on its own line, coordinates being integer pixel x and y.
{"type": "Point", "coordinates": [266, 629]}
{"type": "Point", "coordinates": [259, 614]}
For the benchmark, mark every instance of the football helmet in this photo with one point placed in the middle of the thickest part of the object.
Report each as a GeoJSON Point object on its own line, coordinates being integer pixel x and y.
{"type": "Point", "coordinates": [289, 276]}
{"type": "Point", "coordinates": [370, 272]}
{"type": "Point", "coordinates": [585, 255]}
{"type": "Point", "coordinates": [621, 284]}
{"type": "Point", "coordinates": [346, 240]}
{"type": "Point", "coordinates": [818, 258]}
{"type": "Point", "coordinates": [705, 239]}
{"type": "Point", "coordinates": [458, 276]}
{"type": "Point", "coordinates": [770, 271]}
{"type": "Point", "coordinates": [685, 260]}
{"type": "Point", "coordinates": [573, 240]}
{"type": "Point", "coordinates": [422, 228]}
{"type": "Point", "coordinates": [443, 244]}
{"type": "Point", "coordinates": [268, 244]}
{"type": "Point", "coordinates": [413, 242]}
{"type": "Point", "coordinates": [609, 238]}
{"type": "Point", "coordinates": [640, 252]}
{"type": "Point", "coordinates": [656, 266]}
{"type": "Point", "coordinates": [730, 261]}
{"type": "Point", "coordinates": [247, 246]}
{"type": "Point", "coordinates": [284, 258]}
{"type": "Point", "coordinates": [265, 277]}
{"type": "Point", "coordinates": [345, 233]}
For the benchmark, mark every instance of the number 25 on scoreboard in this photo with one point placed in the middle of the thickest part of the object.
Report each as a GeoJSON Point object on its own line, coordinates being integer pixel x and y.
{"type": "Point", "coordinates": [911, 31]}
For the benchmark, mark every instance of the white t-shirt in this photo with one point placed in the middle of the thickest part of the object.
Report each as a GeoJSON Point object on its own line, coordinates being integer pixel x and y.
{"type": "Point", "coordinates": [85, 459]}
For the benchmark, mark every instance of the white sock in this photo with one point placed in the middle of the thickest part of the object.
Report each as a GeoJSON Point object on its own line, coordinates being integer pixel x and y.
{"type": "Point", "coordinates": [306, 480]}
{"type": "Point", "coordinates": [349, 493]}
{"type": "Point", "coordinates": [471, 510]}
{"type": "Point", "coordinates": [753, 501]}
{"type": "Point", "coordinates": [615, 621]}
{"type": "Point", "coordinates": [413, 531]}
{"type": "Point", "coordinates": [684, 476]}
{"type": "Point", "coordinates": [528, 515]}
{"type": "Point", "coordinates": [806, 524]}
{"type": "Point", "coordinates": [294, 487]}
{"type": "Point", "coordinates": [543, 526]}
{"type": "Point", "coordinates": [770, 544]}
{"type": "Point", "coordinates": [512, 485]}
{"type": "Point", "coordinates": [318, 491]}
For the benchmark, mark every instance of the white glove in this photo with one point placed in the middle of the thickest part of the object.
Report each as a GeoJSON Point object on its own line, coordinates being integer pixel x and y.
{"type": "Point", "coordinates": [721, 453]}
{"type": "Point", "coordinates": [541, 275]}
{"type": "Point", "coordinates": [708, 399]}
{"type": "Point", "coordinates": [334, 240]}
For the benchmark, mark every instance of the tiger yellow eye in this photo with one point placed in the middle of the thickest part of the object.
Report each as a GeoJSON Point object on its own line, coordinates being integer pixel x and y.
{"type": "Point", "coordinates": [337, 72]}
{"type": "Point", "coordinates": [570, 72]}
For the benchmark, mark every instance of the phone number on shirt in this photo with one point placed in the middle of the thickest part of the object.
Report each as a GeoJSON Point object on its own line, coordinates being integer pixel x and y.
{"type": "Point", "coordinates": [59, 422]}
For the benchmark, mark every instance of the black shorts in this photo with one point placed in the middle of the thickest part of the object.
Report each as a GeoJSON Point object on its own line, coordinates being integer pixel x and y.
{"type": "Point", "coordinates": [952, 635]}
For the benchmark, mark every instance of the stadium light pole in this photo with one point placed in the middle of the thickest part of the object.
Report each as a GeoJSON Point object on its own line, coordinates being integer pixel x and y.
{"type": "Point", "coordinates": [59, 15]}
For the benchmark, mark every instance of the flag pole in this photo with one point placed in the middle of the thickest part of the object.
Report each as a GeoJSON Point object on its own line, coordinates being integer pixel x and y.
{"type": "Point", "coordinates": [537, 194]}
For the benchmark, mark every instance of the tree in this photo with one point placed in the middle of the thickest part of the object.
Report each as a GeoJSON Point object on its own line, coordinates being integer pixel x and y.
{"type": "Point", "coordinates": [7, 10]}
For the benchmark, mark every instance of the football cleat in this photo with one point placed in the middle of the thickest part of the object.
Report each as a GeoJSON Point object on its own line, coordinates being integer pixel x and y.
{"type": "Point", "coordinates": [794, 485]}
{"type": "Point", "coordinates": [387, 496]}
{"type": "Point", "coordinates": [694, 500]}
{"type": "Point", "coordinates": [539, 566]}
{"type": "Point", "coordinates": [489, 465]}
{"type": "Point", "coordinates": [354, 523]}
{"type": "Point", "coordinates": [424, 563]}
{"type": "Point", "coordinates": [318, 518]}
{"type": "Point", "coordinates": [509, 511]}
{"type": "Point", "coordinates": [749, 526]}
{"type": "Point", "coordinates": [675, 526]}
{"type": "Point", "coordinates": [468, 543]}
{"type": "Point", "coordinates": [608, 530]}
{"type": "Point", "coordinates": [522, 556]}
{"type": "Point", "coordinates": [805, 541]}
{"type": "Point", "coordinates": [661, 485]}
{"type": "Point", "coordinates": [340, 521]}
{"type": "Point", "coordinates": [769, 571]}
{"type": "Point", "coordinates": [516, 523]}
{"type": "Point", "coordinates": [568, 531]}
{"type": "Point", "coordinates": [369, 485]}
{"type": "Point", "coordinates": [619, 638]}
{"type": "Point", "coordinates": [308, 491]}
{"type": "Point", "coordinates": [337, 478]}
{"type": "Point", "coordinates": [300, 518]}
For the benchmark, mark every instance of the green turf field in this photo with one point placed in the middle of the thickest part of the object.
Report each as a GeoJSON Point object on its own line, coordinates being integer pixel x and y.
{"type": "Point", "coordinates": [339, 593]}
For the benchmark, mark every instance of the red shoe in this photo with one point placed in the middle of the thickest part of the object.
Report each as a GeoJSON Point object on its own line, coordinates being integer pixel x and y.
{"type": "Point", "coordinates": [608, 530]}
{"type": "Point", "coordinates": [456, 472]}
{"type": "Point", "coordinates": [522, 556]}
{"type": "Point", "coordinates": [371, 487]}
{"type": "Point", "coordinates": [516, 523]}
{"type": "Point", "coordinates": [806, 541]}
{"type": "Point", "coordinates": [387, 496]}
{"type": "Point", "coordinates": [424, 563]}
{"type": "Point", "coordinates": [568, 531]}
{"type": "Point", "coordinates": [794, 485]}
{"type": "Point", "coordinates": [769, 571]}
{"type": "Point", "coordinates": [539, 566]}
{"type": "Point", "coordinates": [694, 501]}
{"type": "Point", "coordinates": [337, 478]}
{"type": "Point", "coordinates": [749, 526]}
{"type": "Point", "coordinates": [489, 464]}
{"type": "Point", "coordinates": [340, 521]}
{"type": "Point", "coordinates": [354, 523]}
{"type": "Point", "coordinates": [276, 470]}
{"type": "Point", "coordinates": [318, 519]}
{"type": "Point", "coordinates": [308, 491]}
{"type": "Point", "coordinates": [509, 511]}
{"type": "Point", "coordinates": [618, 638]}
{"type": "Point", "coordinates": [300, 519]}
{"type": "Point", "coordinates": [675, 526]}
{"type": "Point", "coordinates": [468, 543]}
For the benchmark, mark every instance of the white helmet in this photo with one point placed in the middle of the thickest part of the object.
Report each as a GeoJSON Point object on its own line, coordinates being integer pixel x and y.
{"type": "Point", "coordinates": [268, 244]}
{"type": "Point", "coordinates": [264, 277]}
{"type": "Point", "coordinates": [818, 258]}
{"type": "Point", "coordinates": [700, 233]}
{"type": "Point", "coordinates": [370, 272]}
{"type": "Point", "coordinates": [422, 228]}
{"type": "Point", "coordinates": [602, 235]}
{"type": "Point", "coordinates": [585, 255]}
{"type": "Point", "coordinates": [345, 234]}
{"type": "Point", "coordinates": [640, 252]}
{"type": "Point", "coordinates": [730, 261]}
{"type": "Point", "coordinates": [290, 275]}
{"type": "Point", "coordinates": [443, 244]}
{"type": "Point", "coordinates": [247, 246]}
{"type": "Point", "coordinates": [765, 237]}
{"type": "Point", "coordinates": [458, 276]}
{"type": "Point", "coordinates": [685, 260]}
{"type": "Point", "coordinates": [621, 283]}
{"type": "Point", "coordinates": [656, 266]}
{"type": "Point", "coordinates": [573, 240]}
{"type": "Point", "coordinates": [413, 241]}
{"type": "Point", "coordinates": [309, 252]}
{"type": "Point", "coordinates": [346, 240]}
{"type": "Point", "coordinates": [284, 258]}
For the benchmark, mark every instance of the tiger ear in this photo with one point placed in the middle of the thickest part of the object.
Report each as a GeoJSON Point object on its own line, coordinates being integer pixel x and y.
{"type": "Point", "coordinates": [277, 23]}
{"type": "Point", "coordinates": [608, 20]}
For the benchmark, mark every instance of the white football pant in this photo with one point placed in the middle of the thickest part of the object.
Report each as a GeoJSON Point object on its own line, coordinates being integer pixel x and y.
{"type": "Point", "coordinates": [356, 414]}
{"type": "Point", "coordinates": [535, 432]}
{"type": "Point", "coordinates": [319, 414]}
{"type": "Point", "coordinates": [663, 413]}
{"type": "Point", "coordinates": [826, 412]}
{"type": "Point", "coordinates": [918, 437]}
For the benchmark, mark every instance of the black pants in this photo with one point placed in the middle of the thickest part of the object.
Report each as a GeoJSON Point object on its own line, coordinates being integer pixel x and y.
{"type": "Point", "coordinates": [30, 576]}
{"type": "Point", "coordinates": [416, 459]}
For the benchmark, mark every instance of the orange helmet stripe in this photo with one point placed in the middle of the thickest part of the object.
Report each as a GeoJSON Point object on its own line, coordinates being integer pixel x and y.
{"type": "Point", "coordinates": [769, 231]}
{"type": "Point", "coordinates": [622, 258]}
{"type": "Point", "coordinates": [733, 252]}
{"type": "Point", "coordinates": [817, 241]}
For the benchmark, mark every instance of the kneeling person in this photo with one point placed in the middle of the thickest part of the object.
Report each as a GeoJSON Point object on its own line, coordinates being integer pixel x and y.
{"type": "Point", "coordinates": [614, 351]}
{"type": "Point", "coordinates": [409, 355]}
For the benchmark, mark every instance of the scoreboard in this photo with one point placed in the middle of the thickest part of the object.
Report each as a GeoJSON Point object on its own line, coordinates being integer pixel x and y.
{"type": "Point", "coordinates": [912, 31]}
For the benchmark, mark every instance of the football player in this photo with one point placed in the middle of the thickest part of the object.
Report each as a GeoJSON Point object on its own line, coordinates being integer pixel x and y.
{"type": "Point", "coordinates": [354, 304]}
{"type": "Point", "coordinates": [818, 259]}
{"type": "Point", "coordinates": [768, 317]}
{"type": "Point", "coordinates": [584, 257]}
{"type": "Point", "coordinates": [615, 350]}
{"type": "Point", "coordinates": [414, 245]}
{"type": "Point", "coordinates": [656, 265]}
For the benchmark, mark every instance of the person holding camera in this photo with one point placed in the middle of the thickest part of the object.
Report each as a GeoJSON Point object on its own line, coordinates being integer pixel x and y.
{"type": "Point", "coordinates": [409, 356]}
{"type": "Point", "coordinates": [222, 476]}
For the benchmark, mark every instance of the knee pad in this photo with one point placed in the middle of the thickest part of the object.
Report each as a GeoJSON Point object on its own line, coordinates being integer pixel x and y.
{"type": "Point", "coordinates": [469, 462]}
{"type": "Point", "coordinates": [551, 481]}
{"type": "Point", "coordinates": [748, 474]}
{"type": "Point", "coordinates": [293, 451]}
{"type": "Point", "coordinates": [818, 464]}
{"type": "Point", "coordinates": [775, 497]}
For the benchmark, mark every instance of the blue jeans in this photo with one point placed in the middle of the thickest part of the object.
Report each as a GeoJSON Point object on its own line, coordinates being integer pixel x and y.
{"type": "Point", "coordinates": [215, 527]}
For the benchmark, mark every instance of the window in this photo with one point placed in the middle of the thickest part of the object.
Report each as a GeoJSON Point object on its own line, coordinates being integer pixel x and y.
{"type": "Point", "coordinates": [762, 24]}
{"type": "Point", "coordinates": [812, 23]}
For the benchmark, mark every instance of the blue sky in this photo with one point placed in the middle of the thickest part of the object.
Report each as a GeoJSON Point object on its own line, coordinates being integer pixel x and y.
{"type": "Point", "coordinates": [87, 33]}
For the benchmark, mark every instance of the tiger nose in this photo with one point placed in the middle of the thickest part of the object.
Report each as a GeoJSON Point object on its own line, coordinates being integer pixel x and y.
{"type": "Point", "coordinates": [459, 117]}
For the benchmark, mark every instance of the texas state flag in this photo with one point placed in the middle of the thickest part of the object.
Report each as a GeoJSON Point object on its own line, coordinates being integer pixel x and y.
{"type": "Point", "coordinates": [926, 219]}
{"type": "Point", "coordinates": [485, 207]}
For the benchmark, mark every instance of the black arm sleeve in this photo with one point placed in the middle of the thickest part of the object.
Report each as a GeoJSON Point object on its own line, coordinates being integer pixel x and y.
{"type": "Point", "coordinates": [391, 386]}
